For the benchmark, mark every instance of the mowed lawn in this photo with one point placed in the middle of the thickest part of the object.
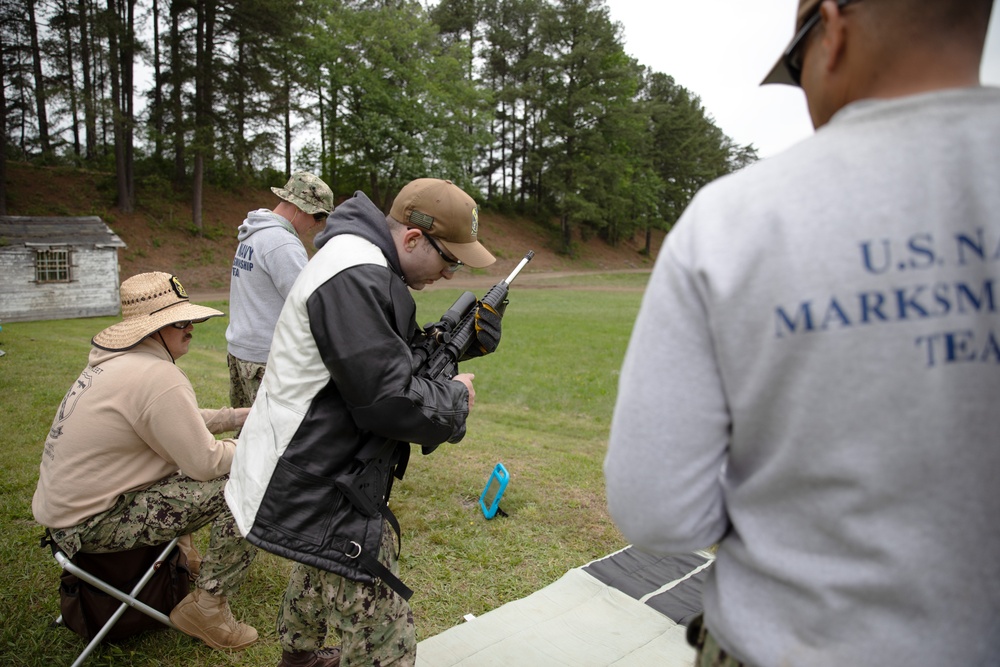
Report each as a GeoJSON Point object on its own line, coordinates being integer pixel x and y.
{"type": "Point", "coordinates": [543, 409]}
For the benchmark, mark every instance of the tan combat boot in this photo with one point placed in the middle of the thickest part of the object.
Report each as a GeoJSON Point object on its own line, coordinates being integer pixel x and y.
{"type": "Point", "coordinates": [325, 657]}
{"type": "Point", "coordinates": [209, 618]}
{"type": "Point", "coordinates": [190, 551]}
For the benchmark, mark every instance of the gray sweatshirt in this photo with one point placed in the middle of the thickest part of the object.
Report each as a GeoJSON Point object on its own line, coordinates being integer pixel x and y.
{"type": "Point", "coordinates": [269, 258]}
{"type": "Point", "coordinates": [812, 383]}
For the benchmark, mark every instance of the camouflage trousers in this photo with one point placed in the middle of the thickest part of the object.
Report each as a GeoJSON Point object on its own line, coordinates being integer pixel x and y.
{"type": "Point", "coordinates": [710, 654]}
{"type": "Point", "coordinates": [176, 505]}
{"type": "Point", "coordinates": [244, 381]}
{"type": "Point", "coordinates": [375, 624]}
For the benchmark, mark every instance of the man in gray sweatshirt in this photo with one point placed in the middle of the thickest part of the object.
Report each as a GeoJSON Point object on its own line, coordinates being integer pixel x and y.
{"type": "Point", "coordinates": [813, 377]}
{"type": "Point", "coordinates": [269, 258]}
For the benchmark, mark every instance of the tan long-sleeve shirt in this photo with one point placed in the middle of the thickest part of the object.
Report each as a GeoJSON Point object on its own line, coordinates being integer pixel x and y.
{"type": "Point", "coordinates": [129, 420]}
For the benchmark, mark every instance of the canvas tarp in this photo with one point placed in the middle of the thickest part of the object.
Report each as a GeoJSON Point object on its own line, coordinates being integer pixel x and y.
{"type": "Point", "coordinates": [627, 609]}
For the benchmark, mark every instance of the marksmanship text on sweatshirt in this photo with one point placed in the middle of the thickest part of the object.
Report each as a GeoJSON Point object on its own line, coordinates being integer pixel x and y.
{"type": "Point", "coordinates": [915, 300]}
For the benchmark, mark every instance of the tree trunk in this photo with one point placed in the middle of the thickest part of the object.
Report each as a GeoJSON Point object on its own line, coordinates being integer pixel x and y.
{"type": "Point", "coordinates": [204, 53]}
{"type": "Point", "coordinates": [100, 87]}
{"type": "Point", "coordinates": [208, 89]}
{"type": "Point", "coordinates": [376, 192]}
{"type": "Point", "coordinates": [567, 234]}
{"type": "Point", "coordinates": [529, 132]}
{"type": "Point", "coordinates": [470, 167]}
{"type": "Point", "coordinates": [334, 120]}
{"type": "Point", "coordinates": [36, 61]}
{"type": "Point", "coordinates": [23, 98]}
{"type": "Point", "coordinates": [89, 94]}
{"type": "Point", "coordinates": [199, 172]}
{"type": "Point", "coordinates": [156, 113]}
{"type": "Point", "coordinates": [322, 137]}
{"type": "Point", "coordinates": [71, 80]}
{"type": "Point", "coordinates": [124, 201]}
{"type": "Point", "coordinates": [128, 100]}
{"type": "Point", "coordinates": [3, 134]}
{"type": "Point", "coordinates": [240, 154]}
{"type": "Point", "coordinates": [503, 153]}
{"type": "Point", "coordinates": [288, 124]}
{"type": "Point", "coordinates": [176, 94]}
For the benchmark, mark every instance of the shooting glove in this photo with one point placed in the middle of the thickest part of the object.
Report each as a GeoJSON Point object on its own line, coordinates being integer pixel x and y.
{"type": "Point", "coordinates": [487, 329]}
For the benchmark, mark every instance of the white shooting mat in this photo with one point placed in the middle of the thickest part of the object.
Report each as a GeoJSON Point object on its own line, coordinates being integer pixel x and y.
{"type": "Point", "coordinates": [614, 611]}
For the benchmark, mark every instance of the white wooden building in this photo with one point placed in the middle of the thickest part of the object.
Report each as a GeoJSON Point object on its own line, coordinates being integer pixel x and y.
{"type": "Point", "coordinates": [56, 268]}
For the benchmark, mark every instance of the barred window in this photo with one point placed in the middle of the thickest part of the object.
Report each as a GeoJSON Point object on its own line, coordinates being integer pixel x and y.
{"type": "Point", "coordinates": [52, 266]}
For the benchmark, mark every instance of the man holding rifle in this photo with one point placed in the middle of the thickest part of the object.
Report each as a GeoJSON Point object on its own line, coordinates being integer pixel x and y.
{"type": "Point", "coordinates": [340, 403]}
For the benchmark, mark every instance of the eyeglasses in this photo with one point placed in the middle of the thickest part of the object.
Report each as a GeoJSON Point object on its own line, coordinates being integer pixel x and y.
{"type": "Point", "coordinates": [793, 55]}
{"type": "Point", "coordinates": [182, 325]}
{"type": "Point", "coordinates": [319, 217]}
{"type": "Point", "coordinates": [453, 264]}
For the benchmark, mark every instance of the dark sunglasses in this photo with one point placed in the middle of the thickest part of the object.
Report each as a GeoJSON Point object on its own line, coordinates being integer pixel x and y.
{"type": "Point", "coordinates": [453, 264]}
{"type": "Point", "coordinates": [182, 325]}
{"type": "Point", "coordinates": [319, 217]}
{"type": "Point", "coordinates": [793, 55]}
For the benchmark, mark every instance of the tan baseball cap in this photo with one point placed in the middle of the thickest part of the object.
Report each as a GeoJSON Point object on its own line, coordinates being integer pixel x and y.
{"type": "Point", "coordinates": [779, 73]}
{"type": "Point", "coordinates": [443, 210]}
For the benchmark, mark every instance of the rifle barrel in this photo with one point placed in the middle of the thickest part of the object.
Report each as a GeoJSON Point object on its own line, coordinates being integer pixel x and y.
{"type": "Point", "coordinates": [520, 265]}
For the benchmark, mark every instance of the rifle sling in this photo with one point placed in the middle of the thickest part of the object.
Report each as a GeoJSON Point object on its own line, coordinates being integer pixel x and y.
{"type": "Point", "coordinates": [380, 571]}
{"type": "Point", "coordinates": [376, 449]}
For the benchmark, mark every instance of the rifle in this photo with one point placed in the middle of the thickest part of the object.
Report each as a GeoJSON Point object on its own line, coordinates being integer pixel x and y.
{"type": "Point", "coordinates": [448, 341]}
{"type": "Point", "coordinates": [445, 344]}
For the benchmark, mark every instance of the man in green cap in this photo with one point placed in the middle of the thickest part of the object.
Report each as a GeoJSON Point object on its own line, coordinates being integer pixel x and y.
{"type": "Point", "coordinates": [267, 262]}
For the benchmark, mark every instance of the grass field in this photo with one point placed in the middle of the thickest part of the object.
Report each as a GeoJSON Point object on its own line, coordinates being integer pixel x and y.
{"type": "Point", "coordinates": [544, 403]}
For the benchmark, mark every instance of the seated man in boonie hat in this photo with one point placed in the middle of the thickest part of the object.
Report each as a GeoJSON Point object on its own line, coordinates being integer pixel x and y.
{"type": "Point", "coordinates": [269, 258]}
{"type": "Point", "coordinates": [131, 460]}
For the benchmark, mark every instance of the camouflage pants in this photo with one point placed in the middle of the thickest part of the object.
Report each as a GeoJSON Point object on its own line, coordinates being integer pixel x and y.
{"type": "Point", "coordinates": [376, 625]}
{"type": "Point", "coordinates": [710, 654]}
{"type": "Point", "coordinates": [244, 381]}
{"type": "Point", "coordinates": [176, 505]}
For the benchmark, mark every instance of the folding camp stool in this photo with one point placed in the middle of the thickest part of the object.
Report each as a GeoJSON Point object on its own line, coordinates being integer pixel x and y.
{"type": "Point", "coordinates": [127, 599]}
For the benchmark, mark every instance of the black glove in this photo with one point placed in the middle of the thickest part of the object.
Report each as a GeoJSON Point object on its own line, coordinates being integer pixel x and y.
{"type": "Point", "coordinates": [487, 329]}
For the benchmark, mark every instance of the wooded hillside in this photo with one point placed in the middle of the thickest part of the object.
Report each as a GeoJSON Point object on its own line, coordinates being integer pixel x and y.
{"type": "Point", "coordinates": [531, 105]}
{"type": "Point", "coordinates": [160, 236]}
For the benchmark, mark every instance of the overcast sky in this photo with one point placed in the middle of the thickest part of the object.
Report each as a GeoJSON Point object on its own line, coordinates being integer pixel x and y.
{"type": "Point", "coordinates": [721, 49]}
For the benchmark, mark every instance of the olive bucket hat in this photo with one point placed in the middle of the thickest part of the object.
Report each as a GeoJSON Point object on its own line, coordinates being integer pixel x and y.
{"type": "Point", "coordinates": [308, 192]}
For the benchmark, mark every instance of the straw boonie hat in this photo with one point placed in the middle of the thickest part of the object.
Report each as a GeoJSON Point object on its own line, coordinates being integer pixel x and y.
{"type": "Point", "coordinates": [308, 192]}
{"type": "Point", "coordinates": [443, 210]}
{"type": "Point", "coordinates": [150, 301]}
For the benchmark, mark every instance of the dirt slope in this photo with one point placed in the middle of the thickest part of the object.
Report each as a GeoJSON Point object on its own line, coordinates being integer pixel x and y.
{"type": "Point", "coordinates": [160, 235]}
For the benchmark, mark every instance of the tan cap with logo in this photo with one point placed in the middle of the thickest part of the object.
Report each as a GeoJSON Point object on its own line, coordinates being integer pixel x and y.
{"type": "Point", "coordinates": [443, 210]}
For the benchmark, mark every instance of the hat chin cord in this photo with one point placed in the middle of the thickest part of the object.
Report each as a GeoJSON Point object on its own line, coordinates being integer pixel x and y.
{"type": "Point", "coordinates": [166, 347]}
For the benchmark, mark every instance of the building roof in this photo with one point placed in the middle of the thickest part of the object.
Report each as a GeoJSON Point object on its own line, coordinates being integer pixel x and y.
{"type": "Point", "coordinates": [44, 231]}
